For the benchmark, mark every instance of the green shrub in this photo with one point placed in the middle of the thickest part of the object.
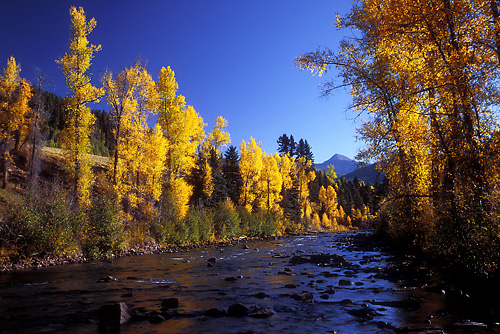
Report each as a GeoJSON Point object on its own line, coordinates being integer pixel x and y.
{"type": "Point", "coordinates": [44, 222]}
{"type": "Point", "coordinates": [250, 222]}
{"type": "Point", "coordinates": [226, 222]}
{"type": "Point", "coordinates": [104, 234]}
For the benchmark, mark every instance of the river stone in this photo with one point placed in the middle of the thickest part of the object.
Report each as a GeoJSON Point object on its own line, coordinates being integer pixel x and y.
{"type": "Point", "coordinates": [260, 313]}
{"type": "Point", "coordinates": [214, 312]}
{"type": "Point", "coordinates": [237, 310]}
{"type": "Point", "coordinates": [212, 260]}
{"type": "Point", "coordinates": [114, 315]}
{"type": "Point", "coordinates": [290, 286]}
{"type": "Point", "coordinates": [345, 282]}
{"type": "Point", "coordinates": [156, 318]}
{"type": "Point", "coordinates": [170, 303]}
{"type": "Point", "coordinates": [330, 291]}
{"type": "Point", "coordinates": [364, 313]}
{"type": "Point", "coordinates": [260, 295]}
{"type": "Point", "coordinates": [305, 297]}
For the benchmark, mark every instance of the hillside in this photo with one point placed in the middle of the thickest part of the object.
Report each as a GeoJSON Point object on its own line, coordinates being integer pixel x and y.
{"type": "Point", "coordinates": [368, 174]}
{"type": "Point", "coordinates": [343, 165]}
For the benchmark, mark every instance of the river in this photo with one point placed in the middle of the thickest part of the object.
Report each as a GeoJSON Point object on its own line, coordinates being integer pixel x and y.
{"type": "Point", "coordinates": [355, 288]}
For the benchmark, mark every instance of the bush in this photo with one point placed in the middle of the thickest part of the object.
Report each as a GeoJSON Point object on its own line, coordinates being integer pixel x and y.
{"type": "Point", "coordinates": [104, 234]}
{"type": "Point", "coordinates": [250, 222]}
{"type": "Point", "coordinates": [226, 222]}
{"type": "Point", "coordinates": [44, 222]}
{"type": "Point", "coordinates": [269, 226]}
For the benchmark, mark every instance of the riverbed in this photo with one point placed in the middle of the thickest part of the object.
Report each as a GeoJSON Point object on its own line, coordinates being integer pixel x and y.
{"type": "Point", "coordinates": [324, 283]}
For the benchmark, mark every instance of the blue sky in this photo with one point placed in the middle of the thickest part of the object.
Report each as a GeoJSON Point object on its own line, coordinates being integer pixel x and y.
{"type": "Point", "coordinates": [231, 58]}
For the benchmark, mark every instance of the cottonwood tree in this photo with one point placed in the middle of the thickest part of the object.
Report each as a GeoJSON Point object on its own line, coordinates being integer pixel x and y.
{"type": "Point", "coordinates": [426, 72]}
{"type": "Point", "coordinates": [75, 137]}
{"type": "Point", "coordinates": [250, 169]}
{"type": "Point", "coordinates": [15, 94]}
{"type": "Point", "coordinates": [132, 97]}
{"type": "Point", "coordinates": [183, 129]}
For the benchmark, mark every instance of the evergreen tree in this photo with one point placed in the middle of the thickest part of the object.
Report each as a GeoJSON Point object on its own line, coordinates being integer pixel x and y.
{"type": "Point", "coordinates": [231, 173]}
{"type": "Point", "coordinates": [220, 191]}
{"type": "Point", "coordinates": [293, 147]}
{"type": "Point", "coordinates": [284, 144]}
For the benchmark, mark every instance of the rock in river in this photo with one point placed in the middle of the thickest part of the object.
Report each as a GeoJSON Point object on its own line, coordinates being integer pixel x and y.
{"type": "Point", "coordinates": [113, 315]}
{"type": "Point", "coordinates": [260, 313]}
{"type": "Point", "coordinates": [237, 310]}
{"type": "Point", "coordinates": [305, 297]}
{"type": "Point", "coordinates": [170, 303]}
{"type": "Point", "coordinates": [364, 313]}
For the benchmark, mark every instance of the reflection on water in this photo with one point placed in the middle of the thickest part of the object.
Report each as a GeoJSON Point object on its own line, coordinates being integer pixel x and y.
{"type": "Point", "coordinates": [66, 298]}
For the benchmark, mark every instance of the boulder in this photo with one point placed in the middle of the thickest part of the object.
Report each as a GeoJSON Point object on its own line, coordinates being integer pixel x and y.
{"type": "Point", "coordinates": [260, 295]}
{"type": "Point", "coordinates": [305, 297]}
{"type": "Point", "coordinates": [345, 282]}
{"type": "Point", "coordinates": [170, 303]}
{"type": "Point", "coordinates": [156, 318]}
{"type": "Point", "coordinates": [113, 315]}
{"type": "Point", "coordinates": [214, 313]}
{"type": "Point", "coordinates": [237, 310]}
{"type": "Point", "coordinates": [364, 313]}
{"type": "Point", "coordinates": [260, 313]}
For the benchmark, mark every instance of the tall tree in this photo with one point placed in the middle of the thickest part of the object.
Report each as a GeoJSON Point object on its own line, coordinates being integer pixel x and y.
{"type": "Point", "coordinates": [132, 96]}
{"type": "Point", "coordinates": [76, 64]}
{"type": "Point", "coordinates": [231, 172]}
{"type": "Point", "coordinates": [250, 170]}
{"type": "Point", "coordinates": [183, 128]}
{"type": "Point", "coordinates": [427, 73]}
{"type": "Point", "coordinates": [15, 93]}
{"type": "Point", "coordinates": [270, 183]}
{"type": "Point", "coordinates": [284, 144]}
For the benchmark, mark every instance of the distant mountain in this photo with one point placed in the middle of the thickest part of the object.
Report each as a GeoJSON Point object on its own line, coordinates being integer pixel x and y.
{"type": "Point", "coordinates": [343, 165]}
{"type": "Point", "coordinates": [368, 174]}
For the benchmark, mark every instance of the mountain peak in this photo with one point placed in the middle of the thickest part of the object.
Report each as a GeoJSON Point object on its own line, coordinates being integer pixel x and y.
{"type": "Point", "coordinates": [340, 157]}
{"type": "Point", "coordinates": [343, 165]}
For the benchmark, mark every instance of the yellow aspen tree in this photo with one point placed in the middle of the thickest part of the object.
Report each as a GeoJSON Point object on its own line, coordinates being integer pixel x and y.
{"type": "Point", "coordinates": [75, 138]}
{"type": "Point", "coordinates": [153, 163]}
{"type": "Point", "coordinates": [129, 94]}
{"type": "Point", "coordinates": [183, 129]}
{"type": "Point", "coordinates": [15, 94]}
{"type": "Point", "coordinates": [270, 183]}
{"type": "Point", "coordinates": [286, 164]}
{"type": "Point", "coordinates": [219, 138]}
{"type": "Point", "coordinates": [250, 169]}
{"type": "Point", "coordinates": [328, 199]}
{"type": "Point", "coordinates": [304, 176]}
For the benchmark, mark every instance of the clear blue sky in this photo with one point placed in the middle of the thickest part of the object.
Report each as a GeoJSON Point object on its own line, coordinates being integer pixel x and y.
{"type": "Point", "coordinates": [232, 58]}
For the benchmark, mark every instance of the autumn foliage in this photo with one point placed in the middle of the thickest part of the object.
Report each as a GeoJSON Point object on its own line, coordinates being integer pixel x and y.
{"type": "Point", "coordinates": [425, 72]}
{"type": "Point", "coordinates": [166, 182]}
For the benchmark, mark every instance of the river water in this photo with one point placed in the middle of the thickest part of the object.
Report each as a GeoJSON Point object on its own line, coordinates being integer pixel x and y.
{"type": "Point", "coordinates": [363, 294]}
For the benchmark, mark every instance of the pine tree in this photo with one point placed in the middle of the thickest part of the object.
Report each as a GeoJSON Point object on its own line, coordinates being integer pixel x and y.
{"type": "Point", "coordinates": [284, 144]}
{"type": "Point", "coordinates": [231, 173]}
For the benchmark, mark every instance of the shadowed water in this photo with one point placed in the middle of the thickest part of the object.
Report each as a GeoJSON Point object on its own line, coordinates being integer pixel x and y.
{"type": "Point", "coordinates": [66, 298]}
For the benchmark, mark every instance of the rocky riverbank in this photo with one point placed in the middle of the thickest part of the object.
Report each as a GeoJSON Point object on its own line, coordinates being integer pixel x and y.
{"type": "Point", "coordinates": [47, 260]}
